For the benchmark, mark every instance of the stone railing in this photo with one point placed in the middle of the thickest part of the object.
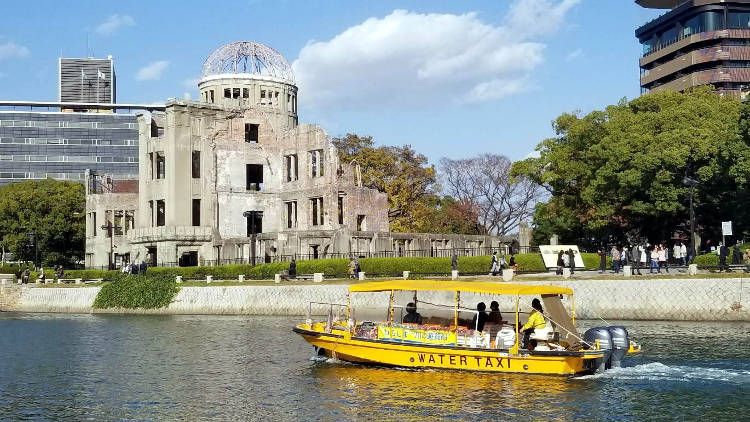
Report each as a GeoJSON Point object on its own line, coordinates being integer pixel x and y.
{"type": "Point", "coordinates": [167, 233]}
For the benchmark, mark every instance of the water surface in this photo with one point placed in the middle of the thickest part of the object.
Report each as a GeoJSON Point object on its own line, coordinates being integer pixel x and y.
{"type": "Point", "coordinates": [127, 367]}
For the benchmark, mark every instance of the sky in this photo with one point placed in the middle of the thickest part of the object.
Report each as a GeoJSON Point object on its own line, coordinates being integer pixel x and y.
{"type": "Point", "coordinates": [451, 79]}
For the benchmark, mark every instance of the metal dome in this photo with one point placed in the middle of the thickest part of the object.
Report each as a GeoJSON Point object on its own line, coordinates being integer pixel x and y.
{"type": "Point", "coordinates": [247, 57]}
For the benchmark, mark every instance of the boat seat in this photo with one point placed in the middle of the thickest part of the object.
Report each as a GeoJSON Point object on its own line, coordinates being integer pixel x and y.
{"type": "Point", "coordinates": [543, 334]}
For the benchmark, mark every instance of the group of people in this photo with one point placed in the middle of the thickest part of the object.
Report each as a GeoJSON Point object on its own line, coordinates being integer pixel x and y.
{"type": "Point", "coordinates": [498, 263]}
{"type": "Point", "coordinates": [644, 255]}
{"type": "Point", "coordinates": [536, 319]}
{"type": "Point", "coordinates": [134, 268]}
{"type": "Point", "coordinates": [566, 260]}
{"type": "Point", "coordinates": [25, 274]}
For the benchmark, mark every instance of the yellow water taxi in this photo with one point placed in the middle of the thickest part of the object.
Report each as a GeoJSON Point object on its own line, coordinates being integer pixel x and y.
{"type": "Point", "coordinates": [452, 342]}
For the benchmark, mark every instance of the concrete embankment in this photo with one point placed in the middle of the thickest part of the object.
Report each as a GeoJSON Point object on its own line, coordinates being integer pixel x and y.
{"type": "Point", "coordinates": [710, 299]}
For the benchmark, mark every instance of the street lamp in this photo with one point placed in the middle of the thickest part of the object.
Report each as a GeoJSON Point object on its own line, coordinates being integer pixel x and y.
{"type": "Point", "coordinates": [252, 230]}
{"type": "Point", "coordinates": [691, 183]}
{"type": "Point", "coordinates": [110, 228]}
{"type": "Point", "coordinates": [32, 238]}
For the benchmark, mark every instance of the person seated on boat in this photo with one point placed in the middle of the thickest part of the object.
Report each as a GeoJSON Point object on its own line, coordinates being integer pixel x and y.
{"type": "Point", "coordinates": [412, 316]}
{"type": "Point", "coordinates": [482, 318]}
{"type": "Point", "coordinates": [495, 315]}
{"type": "Point", "coordinates": [536, 320]}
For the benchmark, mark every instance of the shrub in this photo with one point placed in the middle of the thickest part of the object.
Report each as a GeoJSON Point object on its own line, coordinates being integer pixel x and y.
{"type": "Point", "coordinates": [133, 292]}
{"type": "Point", "coordinates": [708, 260]}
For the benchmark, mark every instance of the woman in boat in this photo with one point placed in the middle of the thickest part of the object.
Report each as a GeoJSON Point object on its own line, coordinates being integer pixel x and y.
{"type": "Point", "coordinates": [479, 323]}
{"type": "Point", "coordinates": [536, 320]}
{"type": "Point", "coordinates": [412, 316]}
{"type": "Point", "coordinates": [495, 315]}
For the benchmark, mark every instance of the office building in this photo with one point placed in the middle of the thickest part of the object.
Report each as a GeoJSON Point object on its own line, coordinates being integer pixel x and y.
{"type": "Point", "coordinates": [696, 42]}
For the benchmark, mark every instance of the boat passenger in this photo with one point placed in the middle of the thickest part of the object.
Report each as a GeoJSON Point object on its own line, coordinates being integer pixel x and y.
{"type": "Point", "coordinates": [536, 320]}
{"type": "Point", "coordinates": [412, 316]}
{"type": "Point", "coordinates": [483, 317]}
{"type": "Point", "coordinates": [495, 315]}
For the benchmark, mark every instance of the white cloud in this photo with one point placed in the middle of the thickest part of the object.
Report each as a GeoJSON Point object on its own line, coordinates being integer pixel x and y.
{"type": "Point", "coordinates": [574, 55]}
{"type": "Point", "coordinates": [190, 82]}
{"type": "Point", "coordinates": [10, 49]}
{"type": "Point", "coordinates": [409, 58]}
{"type": "Point", "coordinates": [113, 23]}
{"type": "Point", "coordinates": [152, 71]}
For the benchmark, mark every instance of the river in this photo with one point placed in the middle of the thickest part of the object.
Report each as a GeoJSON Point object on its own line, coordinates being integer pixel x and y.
{"type": "Point", "coordinates": [236, 368]}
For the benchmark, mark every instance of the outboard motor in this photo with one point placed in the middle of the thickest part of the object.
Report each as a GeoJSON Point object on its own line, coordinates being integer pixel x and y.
{"type": "Point", "coordinates": [620, 343]}
{"type": "Point", "coordinates": [605, 345]}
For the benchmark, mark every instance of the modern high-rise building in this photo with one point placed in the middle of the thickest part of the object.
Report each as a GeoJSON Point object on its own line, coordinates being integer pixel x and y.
{"type": "Point", "coordinates": [696, 42]}
{"type": "Point", "coordinates": [84, 130]}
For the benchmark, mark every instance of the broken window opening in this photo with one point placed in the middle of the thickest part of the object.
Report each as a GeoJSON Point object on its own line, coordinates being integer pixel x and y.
{"type": "Point", "coordinates": [251, 132]}
{"type": "Point", "coordinates": [361, 223]}
{"type": "Point", "coordinates": [196, 212]}
{"type": "Point", "coordinates": [245, 93]}
{"type": "Point", "coordinates": [235, 93]}
{"type": "Point", "coordinates": [291, 214]}
{"type": "Point", "coordinates": [212, 95]}
{"type": "Point", "coordinates": [160, 165]}
{"type": "Point", "coordinates": [316, 163]}
{"type": "Point", "coordinates": [291, 167]}
{"type": "Point", "coordinates": [196, 165]}
{"type": "Point", "coordinates": [254, 222]}
{"type": "Point", "coordinates": [160, 213]}
{"type": "Point", "coordinates": [227, 93]}
{"type": "Point", "coordinates": [316, 205]}
{"type": "Point", "coordinates": [341, 209]}
{"type": "Point", "coordinates": [254, 177]}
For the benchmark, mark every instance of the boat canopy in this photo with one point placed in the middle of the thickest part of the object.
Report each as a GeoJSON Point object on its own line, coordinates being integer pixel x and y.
{"type": "Point", "coordinates": [489, 287]}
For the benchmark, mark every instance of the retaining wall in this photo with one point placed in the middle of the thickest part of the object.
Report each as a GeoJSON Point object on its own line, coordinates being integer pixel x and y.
{"type": "Point", "coordinates": [720, 299]}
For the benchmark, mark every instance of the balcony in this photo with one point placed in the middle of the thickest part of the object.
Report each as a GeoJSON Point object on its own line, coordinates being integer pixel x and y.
{"type": "Point", "coordinates": [170, 233]}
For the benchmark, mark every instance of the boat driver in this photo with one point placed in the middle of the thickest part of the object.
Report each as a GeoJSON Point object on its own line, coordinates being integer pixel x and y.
{"type": "Point", "coordinates": [536, 320]}
{"type": "Point", "coordinates": [412, 316]}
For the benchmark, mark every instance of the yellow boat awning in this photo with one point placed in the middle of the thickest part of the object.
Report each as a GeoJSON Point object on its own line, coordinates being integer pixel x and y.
{"type": "Point", "coordinates": [489, 287]}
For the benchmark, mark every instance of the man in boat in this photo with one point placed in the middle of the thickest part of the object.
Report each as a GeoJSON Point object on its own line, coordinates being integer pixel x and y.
{"type": "Point", "coordinates": [536, 320]}
{"type": "Point", "coordinates": [412, 316]}
{"type": "Point", "coordinates": [480, 318]}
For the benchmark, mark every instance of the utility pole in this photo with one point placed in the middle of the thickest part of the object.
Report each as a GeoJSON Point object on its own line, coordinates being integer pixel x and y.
{"type": "Point", "coordinates": [110, 228]}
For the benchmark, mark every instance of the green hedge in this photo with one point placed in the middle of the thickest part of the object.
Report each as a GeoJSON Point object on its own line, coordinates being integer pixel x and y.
{"type": "Point", "coordinates": [337, 266]}
{"type": "Point", "coordinates": [709, 260]}
{"type": "Point", "coordinates": [133, 292]}
{"type": "Point", "coordinates": [591, 260]}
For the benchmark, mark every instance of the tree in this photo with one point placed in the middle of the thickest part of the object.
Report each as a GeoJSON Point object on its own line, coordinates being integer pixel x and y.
{"type": "Point", "coordinates": [446, 215]}
{"type": "Point", "coordinates": [620, 170]}
{"type": "Point", "coordinates": [50, 209]}
{"type": "Point", "coordinates": [400, 172]}
{"type": "Point", "coordinates": [484, 184]}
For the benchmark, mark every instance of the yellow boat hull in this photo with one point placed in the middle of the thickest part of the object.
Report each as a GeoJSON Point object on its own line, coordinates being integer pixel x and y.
{"type": "Point", "coordinates": [338, 344]}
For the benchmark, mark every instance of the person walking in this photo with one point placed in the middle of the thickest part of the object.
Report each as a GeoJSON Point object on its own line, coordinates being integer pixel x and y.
{"type": "Point", "coordinates": [602, 260]}
{"type": "Point", "coordinates": [494, 264]}
{"type": "Point", "coordinates": [654, 254]}
{"type": "Point", "coordinates": [566, 261]}
{"type": "Point", "coordinates": [454, 262]}
{"type": "Point", "coordinates": [560, 263]}
{"type": "Point", "coordinates": [623, 256]}
{"type": "Point", "coordinates": [572, 260]}
{"type": "Point", "coordinates": [723, 254]}
{"type": "Point", "coordinates": [662, 256]}
{"type": "Point", "coordinates": [635, 257]}
{"type": "Point", "coordinates": [736, 254]}
{"type": "Point", "coordinates": [352, 267]}
{"type": "Point", "coordinates": [684, 254]}
{"type": "Point", "coordinates": [676, 253]}
{"type": "Point", "coordinates": [615, 259]}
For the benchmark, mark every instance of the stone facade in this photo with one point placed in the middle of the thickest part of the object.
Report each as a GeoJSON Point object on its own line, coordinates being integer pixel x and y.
{"type": "Point", "coordinates": [235, 178]}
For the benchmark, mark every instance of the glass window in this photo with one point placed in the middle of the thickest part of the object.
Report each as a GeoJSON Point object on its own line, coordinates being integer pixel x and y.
{"type": "Point", "coordinates": [739, 20]}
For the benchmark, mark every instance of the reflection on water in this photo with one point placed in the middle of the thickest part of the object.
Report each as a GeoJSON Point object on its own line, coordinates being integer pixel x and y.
{"type": "Point", "coordinates": [110, 367]}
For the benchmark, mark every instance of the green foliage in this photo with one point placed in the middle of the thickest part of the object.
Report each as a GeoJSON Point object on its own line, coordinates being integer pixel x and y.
{"type": "Point", "coordinates": [400, 172]}
{"type": "Point", "coordinates": [53, 211]}
{"type": "Point", "coordinates": [137, 292]}
{"type": "Point", "coordinates": [620, 170]}
{"type": "Point", "coordinates": [91, 274]}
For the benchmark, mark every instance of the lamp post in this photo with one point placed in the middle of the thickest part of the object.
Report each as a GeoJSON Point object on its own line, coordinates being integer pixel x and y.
{"type": "Point", "coordinates": [32, 238]}
{"type": "Point", "coordinates": [252, 231]}
{"type": "Point", "coordinates": [691, 183]}
{"type": "Point", "coordinates": [110, 228]}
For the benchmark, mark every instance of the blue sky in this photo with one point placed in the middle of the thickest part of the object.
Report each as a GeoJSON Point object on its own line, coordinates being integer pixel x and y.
{"type": "Point", "coordinates": [450, 78]}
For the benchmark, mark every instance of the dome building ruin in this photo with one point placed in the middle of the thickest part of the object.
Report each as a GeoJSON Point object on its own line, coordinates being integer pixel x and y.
{"type": "Point", "coordinates": [235, 178]}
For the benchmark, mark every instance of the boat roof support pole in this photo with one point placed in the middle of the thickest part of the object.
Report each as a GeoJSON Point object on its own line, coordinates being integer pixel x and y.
{"type": "Point", "coordinates": [573, 309]}
{"type": "Point", "coordinates": [456, 303]}
{"type": "Point", "coordinates": [390, 308]}
{"type": "Point", "coordinates": [514, 350]}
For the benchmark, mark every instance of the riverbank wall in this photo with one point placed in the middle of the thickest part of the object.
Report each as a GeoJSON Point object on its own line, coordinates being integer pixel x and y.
{"type": "Point", "coordinates": [710, 299]}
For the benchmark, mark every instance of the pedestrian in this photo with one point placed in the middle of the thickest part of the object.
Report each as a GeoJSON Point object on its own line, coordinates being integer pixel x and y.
{"type": "Point", "coordinates": [454, 262]}
{"type": "Point", "coordinates": [125, 269]}
{"type": "Point", "coordinates": [26, 275]}
{"type": "Point", "coordinates": [134, 268]}
{"type": "Point", "coordinates": [494, 264]}
{"type": "Point", "coordinates": [351, 268]}
{"type": "Point", "coordinates": [512, 263]}
{"type": "Point", "coordinates": [572, 260]}
{"type": "Point", "coordinates": [747, 260]}
{"type": "Point", "coordinates": [60, 272]}
{"type": "Point", "coordinates": [636, 257]}
{"type": "Point", "coordinates": [566, 261]}
{"type": "Point", "coordinates": [357, 268]}
{"type": "Point", "coordinates": [560, 263]}
{"type": "Point", "coordinates": [662, 257]}
{"type": "Point", "coordinates": [736, 254]}
{"type": "Point", "coordinates": [654, 260]}
{"type": "Point", "coordinates": [142, 268]}
{"type": "Point", "coordinates": [615, 259]}
{"type": "Point", "coordinates": [602, 260]}
{"type": "Point", "coordinates": [42, 278]}
{"type": "Point", "coordinates": [684, 254]}
{"type": "Point", "coordinates": [623, 256]}
{"type": "Point", "coordinates": [643, 249]}
{"type": "Point", "coordinates": [293, 269]}
{"type": "Point", "coordinates": [723, 254]}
